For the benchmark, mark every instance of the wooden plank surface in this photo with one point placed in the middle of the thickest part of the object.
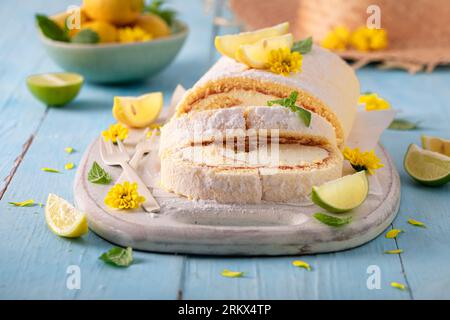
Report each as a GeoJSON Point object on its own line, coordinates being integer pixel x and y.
{"type": "Point", "coordinates": [33, 261]}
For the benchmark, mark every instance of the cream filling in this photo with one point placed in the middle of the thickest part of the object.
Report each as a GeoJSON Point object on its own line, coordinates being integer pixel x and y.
{"type": "Point", "coordinates": [233, 98]}
{"type": "Point", "coordinates": [275, 155]}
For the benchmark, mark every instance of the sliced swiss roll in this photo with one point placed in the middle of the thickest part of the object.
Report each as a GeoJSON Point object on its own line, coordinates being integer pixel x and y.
{"type": "Point", "coordinates": [326, 86]}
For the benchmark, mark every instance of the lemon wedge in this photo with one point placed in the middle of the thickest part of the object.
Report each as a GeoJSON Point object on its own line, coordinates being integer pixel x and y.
{"type": "Point", "coordinates": [256, 55]}
{"type": "Point", "coordinates": [138, 112]}
{"type": "Point", "coordinates": [63, 219]}
{"type": "Point", "coordinates": [436, 144]}
{"type": "Point", "coordinates": [229, 44]}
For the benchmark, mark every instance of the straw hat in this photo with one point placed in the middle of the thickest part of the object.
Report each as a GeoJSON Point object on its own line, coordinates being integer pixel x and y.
{"type": "Point", "coordinates": [418, 30]}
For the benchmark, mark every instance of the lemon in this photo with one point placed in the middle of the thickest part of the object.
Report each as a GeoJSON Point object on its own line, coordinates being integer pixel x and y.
{"type": "Point", "coordinates": [343, 194]}
{"type": "Point", "coordinates": [64, 18]}
{"type": "Point", "coordinates": [436, 144]}
{"type": "Point", "coordinates": [55, 89]}
{"type": "Point", "coordinates": [106, 31]}
{"type": "Point", "coordinates": [63, 219]}
{"type": "Point", "coordinates": [153, 24]}
{"type": "Point", "coordinates": [427, 167]}
{"type": "Point", "coordinates": [138, 112]}
{"type": "Point", "coordinates": [117, 12]}
{"type": "Point", "coordinates": [229, 44]}
{"type": "Point", "coordinates": [256, 55]}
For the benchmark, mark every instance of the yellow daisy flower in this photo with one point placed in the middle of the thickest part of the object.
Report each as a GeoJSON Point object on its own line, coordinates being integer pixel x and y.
{"type": "Point", "coordinates": [124, 196]}
{"type": "Point", "coordinates": [133, 34]}
{"type": "Point", "coordinates": [373, 102]}
{"type": "Point", "coordinates": [366, 160]}
{"type": "Point", "coordinates": [365, 39]}
{"type": "Point", "coordinates": [283, 61]}
{"type": "Point", "coordinates": [114, 132]}
{"type": "Point", "coordinates": [337, 39]}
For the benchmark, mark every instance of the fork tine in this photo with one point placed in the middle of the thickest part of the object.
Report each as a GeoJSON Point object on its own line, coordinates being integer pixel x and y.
{"type": "Point", "coordinates": [153, 136]}
{"type": "Point", "coordinates": [121, 146]}
{"type": "Point", "coordinates": [103, 151]}
{"type": "Point", "coordinates": [110, 146]}
{"type": "Point", "coordinates": [144, 136]}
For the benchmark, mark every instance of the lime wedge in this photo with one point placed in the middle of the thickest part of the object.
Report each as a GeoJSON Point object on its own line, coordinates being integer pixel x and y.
{"type": "Point", "coordinates": [55, 89]}
{"type": "Point", "coordinates": [342, 194]}
{"type": "Point", "coordinates": [436, 144]}
{"type": "Point", "coordinates": [427, 167]}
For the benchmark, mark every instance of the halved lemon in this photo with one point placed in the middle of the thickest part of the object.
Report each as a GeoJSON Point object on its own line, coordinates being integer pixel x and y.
{"type": "Point", "coordinates": [436, 144]}
{"type": "Point", "coordinates": [256, 55]}
{"type": "Point", "coordinates": [229, 44]}
{"type": "Point", "coordinates": [63, 219]}
{"type": "Point", "coordinates": [55, 89]}
{"type": "Point", "coordinates": [427, 167]}
{"type": "Point", "coordinates": [138, 112]}
{"type": "Point", "coordinates": [343, 194]}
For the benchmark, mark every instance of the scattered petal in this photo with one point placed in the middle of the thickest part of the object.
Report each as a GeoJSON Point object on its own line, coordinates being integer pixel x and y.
{"type": "Point", "coordinates": [417, 223]}
{"type": "Point", "coordinates": [69, 166]}
{"type": "Point", "coordinates": [395, 251]}
{"type": "Point", "coordinates": [398, 285]}
{"type": "Point", "coordinates": [26, 203]}
{"type": "Point", "coordinates": [301, 264]}
{"type": "Point", "coordinates": [69, 150]}
{"type": "Point", "coordinates": [50, 170]}
{"type": "Point", "coordinates": [391, 234]}
{"type": "Point", "coordinates": [231, 274]}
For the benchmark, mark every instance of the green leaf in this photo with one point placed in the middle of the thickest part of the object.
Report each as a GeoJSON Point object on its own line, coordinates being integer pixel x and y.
{"type": "Point", "coordinates": [167, 15]}
{"type": "Point", "coordinates": [117, 256]}
{"type": "Point", "coordinates": [50, 29]}
{"type": "Point", "coordinates": [290, 102]}
{"type": "Point", "coordinates": [86, 36]}
{"type": "Point", "coordinates": [303, 46]}
{"type": "Point", "coordinates": [331, 220]}
{"type": "Point", "coordinates": [395, 251]}
{"type": "Point", "coordinates": [401, 124]}
{"type": "Point", "coordinates": [305, 116]}
{"type": "Point", "coordinates": [26, 203]}
{"type": "Point", "coordinates": [50, 170]}
{"type": "Point", "coordinates": [98, 175]}
{"type": "Point", "coordinates": [231, 274]}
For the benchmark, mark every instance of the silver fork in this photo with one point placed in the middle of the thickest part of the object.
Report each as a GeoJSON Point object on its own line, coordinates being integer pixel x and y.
{"type": "Point", "coordinates": [112, 156]}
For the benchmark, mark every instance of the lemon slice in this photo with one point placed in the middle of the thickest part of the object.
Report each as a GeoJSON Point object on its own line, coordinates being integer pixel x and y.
{"type": "Point", "coordinates": [427, 167]}
{"type": "Point", "coordinates": [256, 55]}
{"type": "Point", "coordinates": [55, 89]}
{"type": "Point", "coordinates": [436, 144]}
{"type": "Point", "coordinates": [138, 112]}
{"type": "Point", "coordinates": [229, 44]}
{"type": "Point", "coordinates": [63, 219]}
{"type": "Point", "coordinates": [343, 194]}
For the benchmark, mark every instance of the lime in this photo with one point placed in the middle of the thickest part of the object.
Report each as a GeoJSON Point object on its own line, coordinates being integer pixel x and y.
{"type": "Point", "coordinates": [427, 167]}
{"type": "Point", "coordinates": [342, 194]}
{"type": "Point", "coordinates": [436, 144]}
{"type": "Point", "coordinates": [63, 219]}
{"type": "Point", "coordinates": [55, 89]}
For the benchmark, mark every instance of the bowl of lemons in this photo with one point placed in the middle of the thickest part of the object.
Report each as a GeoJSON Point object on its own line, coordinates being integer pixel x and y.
{"type": "Point", "coordinates": [113, 41]}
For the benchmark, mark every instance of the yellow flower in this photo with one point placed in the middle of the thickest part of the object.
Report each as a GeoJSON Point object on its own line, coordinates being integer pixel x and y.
{"type": "Point", "coordinates": [337, 39]}
{"type": "Point", "coordinates": [124, 196]}
{"type": "Point", "coordinates": [373, 102]}
{"type": "Point", "coordinates": [365, 39]}
{"type": "Point", "coordinates": [115, 131]}
{"type": "Point", "coordinates": [133, 34]}
{"type": "Point", "coordinates": [366, 160]}
{"type": "Point", "coordinates": [283, 61]}
{"type": "Point", "coordinates": [152, 127]}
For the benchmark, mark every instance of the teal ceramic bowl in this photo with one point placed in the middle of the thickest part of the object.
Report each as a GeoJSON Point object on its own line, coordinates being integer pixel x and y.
{"type": "Point", "coordinates": [116, 63]}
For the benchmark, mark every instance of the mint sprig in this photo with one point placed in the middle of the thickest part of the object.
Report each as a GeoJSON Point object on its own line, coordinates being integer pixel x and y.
{"type": "Point", "coordinates": [290, 102]}
{"type": "Point", "coordinates": [401, 124]}
{"type": "Point", "coordinates": [98, 175]}
{"type": "Point", "coordinates": [303, 46]}
{"type": "Point", "coordinates": [331, 220]}
{"type": "Point", "coordinates": [86, 36]}
{"type": "Point", "coordinates": [50, 29]}
{"type": "Point", "coordinates": [117, 256]}
{"type": "Point", "coordinates": [167, 15]}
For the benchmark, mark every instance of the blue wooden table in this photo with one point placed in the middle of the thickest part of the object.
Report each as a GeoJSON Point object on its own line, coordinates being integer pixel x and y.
{"type": "Point", "coordinates": [34, 262]}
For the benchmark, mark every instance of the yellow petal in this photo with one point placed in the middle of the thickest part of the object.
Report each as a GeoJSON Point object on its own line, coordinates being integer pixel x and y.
{"type": "Point", "coordinates": [301, 264]}
{"type": "Point", "coordinates": [69, 166]}
{"type": "Point", "coordinates": [391, 234]}
{"type": "Point", "coordinates": [26, 203]}
{"type": "Point", "coordinates": [231, 274]}
{"type": "Point", "coordinates": [395, 251]}
{"type": "Point", "coordinates": [398, 285]}
{"type": "Point", "coordinates": [68, 149]}
{"type": "Point", "coordinates": [416, 223]}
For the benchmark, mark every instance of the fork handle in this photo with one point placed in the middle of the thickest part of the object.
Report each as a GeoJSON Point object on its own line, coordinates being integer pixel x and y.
{"type": "Point", "coordinates": [150, 204]}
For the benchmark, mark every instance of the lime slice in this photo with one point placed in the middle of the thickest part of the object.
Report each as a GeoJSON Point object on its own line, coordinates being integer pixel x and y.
{"type": "Point", "coordinates": [63, 219]}
{"type": "Point", "coordinates": [342, 194]}
{"type": "Point", "coordinates": [427, 167]}
{"type": "Point", "coordinates": [436, 144]}
{"type": "Point", "coordinates": [55, 89]}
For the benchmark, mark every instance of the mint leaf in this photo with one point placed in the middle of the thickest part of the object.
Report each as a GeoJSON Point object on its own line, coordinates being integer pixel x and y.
{"type": "Point", "coordinates": [401, 124]}
{"type": "Point", "coordinates": [86, 36]}
{"type": "Point", "coordinates": [167, 15]}
{"type": "Point", "coordinates": [331, 220]}
{"type": "Point", "coordinates": [98, 175]}
{"type": "Point", "coordinates": [289, 102]}
{"type": "Point", "coordinates": [303, 46]}
{"type": "Point", "coordinates": [304, 115]}
{"type": "Point", "coordinates": [50, 29]}
{"type": "Point", "coordinates": [117, 256]}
